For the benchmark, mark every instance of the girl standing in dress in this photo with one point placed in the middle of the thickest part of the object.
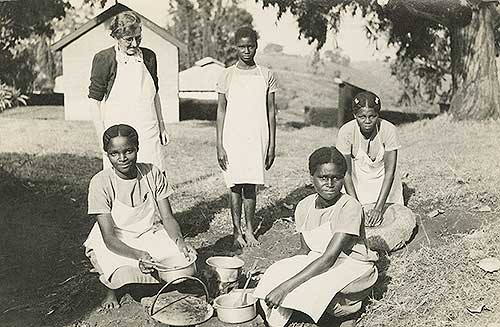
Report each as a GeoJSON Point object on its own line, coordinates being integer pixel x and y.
{"type": "Point", "coordinates": [134, 220]}
{"type": "Point", "coordinates": [246, 131]}
{"type": "Point", "coordinates": [124, 90]}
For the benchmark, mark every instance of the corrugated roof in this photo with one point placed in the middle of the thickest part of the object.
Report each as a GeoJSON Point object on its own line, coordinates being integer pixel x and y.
{"type": "Point", "coordinates": [104, 16]}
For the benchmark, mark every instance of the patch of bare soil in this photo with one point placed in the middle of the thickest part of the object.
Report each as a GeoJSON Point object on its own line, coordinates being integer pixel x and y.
{"type": "Point", "coordinates": [45, 276]}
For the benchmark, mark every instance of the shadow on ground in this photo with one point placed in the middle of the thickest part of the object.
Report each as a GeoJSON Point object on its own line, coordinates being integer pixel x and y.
{"type": "Point", "coordinates": [44, 272]}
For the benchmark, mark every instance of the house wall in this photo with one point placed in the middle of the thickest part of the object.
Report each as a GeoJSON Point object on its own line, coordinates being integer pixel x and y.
{"type": "Point", "coordinates": [77, 61]}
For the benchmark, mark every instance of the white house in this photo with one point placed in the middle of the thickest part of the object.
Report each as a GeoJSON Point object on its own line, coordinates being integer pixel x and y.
{"type": "Point", "coordinates": [79, 47]}
{"type": "Point", "coordinates": [198, 82]}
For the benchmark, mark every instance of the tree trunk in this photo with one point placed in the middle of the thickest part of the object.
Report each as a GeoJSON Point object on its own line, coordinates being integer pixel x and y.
{"type": "Point", "coordinates": [476, 89]}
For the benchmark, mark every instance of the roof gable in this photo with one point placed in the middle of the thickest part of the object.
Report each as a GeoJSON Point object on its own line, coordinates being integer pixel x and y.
{"type": "Point", "coordinates": [107, 14]}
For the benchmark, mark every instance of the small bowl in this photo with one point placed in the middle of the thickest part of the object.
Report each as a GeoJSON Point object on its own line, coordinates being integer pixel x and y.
{"type": "Point", "coordinates": [180, 267]}
{"type": "Point", "coordinates": [228, 268]}
{"type": "Point", "coordinates": [230, 310]}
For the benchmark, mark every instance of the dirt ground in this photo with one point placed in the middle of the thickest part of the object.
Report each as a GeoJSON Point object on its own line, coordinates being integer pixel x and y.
{"type": "Point", "coordinates": [45, 166]}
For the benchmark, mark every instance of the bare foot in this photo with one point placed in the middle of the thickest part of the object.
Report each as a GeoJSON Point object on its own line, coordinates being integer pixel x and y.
{"type": "Point", "coordinates": [239, 241]}
{"type": "Point", "coordinates": [110, 301]}
{"type": "Point", "coordinates": [251, 240]}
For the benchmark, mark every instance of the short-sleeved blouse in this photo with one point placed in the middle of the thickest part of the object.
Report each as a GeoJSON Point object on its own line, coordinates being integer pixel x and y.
{"type": "Point", "coordinates": [345, 216]}
{"type": "Point", "coordinates": [222, 85]}
{"type": "Point", "coordinates": [106, 186]}
{"type": "Point", "coordinates": [387, 134]}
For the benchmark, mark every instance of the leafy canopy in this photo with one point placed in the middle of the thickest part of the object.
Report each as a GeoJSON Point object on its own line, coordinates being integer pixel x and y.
{"type": "Point", "coordinates": [418, 29]}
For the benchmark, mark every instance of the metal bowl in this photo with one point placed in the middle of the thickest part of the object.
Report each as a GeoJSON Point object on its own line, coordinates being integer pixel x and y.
{"type": "Point", "coordinates": [179, 266]}
{"type": "Point", "coordinates": [228, 268]}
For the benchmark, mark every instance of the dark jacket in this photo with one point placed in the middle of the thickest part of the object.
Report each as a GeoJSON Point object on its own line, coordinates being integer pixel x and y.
{"type": "Point", "coordinates": [103, 72]}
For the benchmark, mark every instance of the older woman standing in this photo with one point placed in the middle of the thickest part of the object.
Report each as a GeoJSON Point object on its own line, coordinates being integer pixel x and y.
{"type": "Point", "coordinates": [124, 89]}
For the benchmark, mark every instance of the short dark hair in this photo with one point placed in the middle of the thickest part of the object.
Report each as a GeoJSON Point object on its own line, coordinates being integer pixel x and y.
{"type": "Point", "coordinates": [366, 99]}
{"type": "Point", "coordinates": [120, 130]}
{"type": "Point", "coordinates": [326, 154]}
{"type": "Point", "coordinates": [245, 31]}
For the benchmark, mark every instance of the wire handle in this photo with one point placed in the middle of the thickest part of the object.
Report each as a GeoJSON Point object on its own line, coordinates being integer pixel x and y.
{"type": "Point", "coordinates": [170, 283]}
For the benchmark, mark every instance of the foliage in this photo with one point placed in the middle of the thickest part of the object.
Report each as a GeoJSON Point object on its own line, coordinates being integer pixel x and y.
{"type": "Point", "coordinates": [10, 97]}
{"type": "Point", "coordinates": [207, 27]}
{"type": "Point", "coordinates": [273, 48]}
{"type": "Point", "coordinates": [21, 20]}
{"type": "Point", "coordinates": [338, 57]}
{"type": "Point", "coordinates": [419, 29]}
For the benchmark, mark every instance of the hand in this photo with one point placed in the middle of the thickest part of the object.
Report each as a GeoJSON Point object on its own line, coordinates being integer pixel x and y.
{"type": "Point", "coordinates": [270, 157]}
{"type": "Point", "coordinates": [164, 137]}
{"type": "Point", "coordinates": [374, 217]}
{"type": "Point", "coordinates": [276, 297]}
{"type": "Point", "coordinates": [144, 267]}
{"type": "Point", "coordinates": [185, 248]}
{"type": "Point", "coordinates": [222, 157]}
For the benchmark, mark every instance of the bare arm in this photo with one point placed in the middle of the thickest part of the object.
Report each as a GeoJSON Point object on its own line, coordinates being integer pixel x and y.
{"type": "Point", "coordinates": [374, 216]}
{"type": "Point", "coordinates": [164, 138]}
{"type": "Point", "coordinates": [172, 226]}
{"type": "Point", "coordinates": [96, 114]}
{"type": "Point", "coordinates": [271, 118]}
{"type": "Point", "coordinates": [221, 116]}
{"type": "Point", "coordinates": [348, 183]}
{"type": "Point", "coordinates": [339, 242]}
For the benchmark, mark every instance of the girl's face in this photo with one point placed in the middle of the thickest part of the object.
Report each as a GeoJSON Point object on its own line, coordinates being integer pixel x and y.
{"type": "Point", "coordinates": [327, 181]}
{"type": "Point", "coordinates": [246, 50]}
{"type": "Point", "coordinates": [123, 156]}
{"type": "Point", "coordinates": [367, 119]}
{"type": "Point", "coordinates": [130, 42]}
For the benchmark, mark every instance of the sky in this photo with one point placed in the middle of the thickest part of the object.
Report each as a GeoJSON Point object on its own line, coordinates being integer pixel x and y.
{"type": "Point", "coordinates": [351, 38]}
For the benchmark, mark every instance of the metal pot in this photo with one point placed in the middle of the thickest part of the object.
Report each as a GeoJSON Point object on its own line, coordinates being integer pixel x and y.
{"type": "Point", "coordinates": [177, 266]}
{"type": "Point", "coordinates": [231, 309]}
{"type": "Point", "coordinates": [228, 268]}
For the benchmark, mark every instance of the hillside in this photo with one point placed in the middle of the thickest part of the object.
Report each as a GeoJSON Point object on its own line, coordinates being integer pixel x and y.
{"type": "Point", "coordinates": [301, 86]}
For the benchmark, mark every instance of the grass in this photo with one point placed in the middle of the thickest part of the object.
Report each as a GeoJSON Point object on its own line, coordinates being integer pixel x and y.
{"type": "Point", "coordinates": [46, 166]}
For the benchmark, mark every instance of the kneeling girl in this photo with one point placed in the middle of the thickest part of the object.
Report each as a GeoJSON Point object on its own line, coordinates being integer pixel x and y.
{"type": "Point", "coordinates": [135, 224]}
{"type": "Point", "coordinates": [334, 269]}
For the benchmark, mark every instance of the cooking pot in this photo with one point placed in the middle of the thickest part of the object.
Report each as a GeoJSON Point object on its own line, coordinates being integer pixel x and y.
{"type": "Point", "coordinates": [232, 309]}
{"type": "Point", "coordinates": [177, 266]}
{"type": "Point", "coordinates": [228, 268]}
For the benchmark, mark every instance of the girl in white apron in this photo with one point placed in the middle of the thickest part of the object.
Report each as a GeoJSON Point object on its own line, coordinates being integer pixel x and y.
{"type": "Point", "coordinates": [370, 147]}
{"type": "Point", "coordinates": [246, 129]}
{"type": "Point", "coordinates": [333, 255]}
{"type": "Point", "coordinates": [132, 98]}
{"type": "Point", "coordinates": [134, 217]}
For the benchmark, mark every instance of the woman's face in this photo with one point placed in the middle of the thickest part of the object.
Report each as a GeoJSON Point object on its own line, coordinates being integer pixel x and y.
{"type": "Point", "coordinates": [367, 119]}
{"type": "Point", "coordinates": [328, 180]}
{"type": "Point", "coordinates": [246, 49]}
{"type": "Point", "coordinates": [123, 156]}
{"type": "Point", "coordinates": [129, 43]}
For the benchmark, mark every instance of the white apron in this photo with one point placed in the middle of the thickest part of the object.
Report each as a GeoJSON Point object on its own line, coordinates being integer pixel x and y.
{"type": "Point", "coordinates": [246, 133]}
{"type": "Point", "coordinates": [131, 102]}
{"type": "Point", "coordinates": [137, 227]}
{"type": "Point", "coordinates": [313, 296]}
{"type": "Point", "coordinates": [368, 175]}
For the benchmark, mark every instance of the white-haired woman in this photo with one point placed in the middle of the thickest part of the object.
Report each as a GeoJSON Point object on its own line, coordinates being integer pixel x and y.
{"type": "Point", "coordinates": [124, 89]}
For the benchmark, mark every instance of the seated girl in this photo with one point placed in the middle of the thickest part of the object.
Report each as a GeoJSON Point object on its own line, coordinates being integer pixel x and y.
{"type": "Point", "coordinates": [135, 224]}
{"type": "Point", "coordinates": [370, 146]}
{"type": "Point", "coordinates": [334, 270]}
